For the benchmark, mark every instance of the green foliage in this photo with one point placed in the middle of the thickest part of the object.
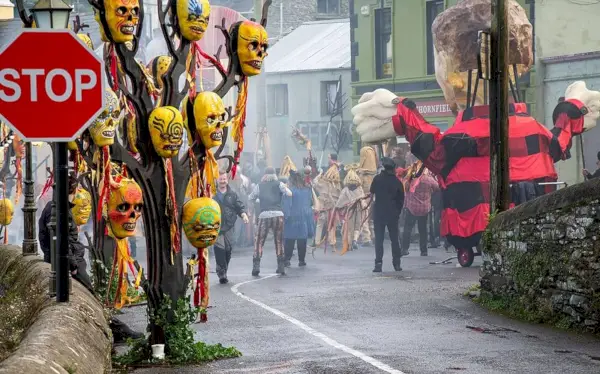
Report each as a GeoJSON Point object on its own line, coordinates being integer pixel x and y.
{"type": "Point", "coordinates": [99, 282]}
{"type": "Point", "coordinates": [181, 347]}
{"type": "Point", "coordinates": [487, 234]}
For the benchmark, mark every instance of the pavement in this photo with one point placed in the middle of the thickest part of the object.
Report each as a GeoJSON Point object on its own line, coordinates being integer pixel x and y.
{"type": "Point", "coordinates": [335, 316]}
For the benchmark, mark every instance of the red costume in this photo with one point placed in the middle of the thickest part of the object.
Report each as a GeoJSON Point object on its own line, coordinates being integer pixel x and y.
{"type": "Point", "coordinates": [460, 158]}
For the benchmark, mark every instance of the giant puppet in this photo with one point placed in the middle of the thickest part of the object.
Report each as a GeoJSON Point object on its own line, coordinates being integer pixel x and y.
{"type": "Point", "coordinates": [460, 157]}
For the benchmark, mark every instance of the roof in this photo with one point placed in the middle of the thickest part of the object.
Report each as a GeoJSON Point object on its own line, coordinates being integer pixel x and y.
{"type": "Point", "coordinates": [320, 45]}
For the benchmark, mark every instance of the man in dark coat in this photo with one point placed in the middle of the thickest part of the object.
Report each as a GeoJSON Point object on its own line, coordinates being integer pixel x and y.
{"type": "Point", "coordinates": [231, 208]}
{"type": "Point", "coordinates": [389, 200]}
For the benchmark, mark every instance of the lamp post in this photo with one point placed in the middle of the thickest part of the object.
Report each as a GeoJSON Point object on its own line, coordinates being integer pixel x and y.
{"type": "Point", "coordinates": [30, 247]}
{"type": "Point", "coordinates": [54, 14]}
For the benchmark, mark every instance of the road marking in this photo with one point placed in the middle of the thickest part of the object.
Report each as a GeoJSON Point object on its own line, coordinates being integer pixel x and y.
{"type": "Point", "coordinates": [369, 360]}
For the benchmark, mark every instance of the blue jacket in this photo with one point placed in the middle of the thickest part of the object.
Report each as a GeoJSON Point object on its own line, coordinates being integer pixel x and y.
{"type": "Point", "coordinates": [297, 210]}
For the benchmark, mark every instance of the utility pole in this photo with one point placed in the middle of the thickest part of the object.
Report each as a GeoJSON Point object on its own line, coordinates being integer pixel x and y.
{"type": "Point", "coordinates": [261, 81]}
{"type": "Point", "coordinates": [499, 169]}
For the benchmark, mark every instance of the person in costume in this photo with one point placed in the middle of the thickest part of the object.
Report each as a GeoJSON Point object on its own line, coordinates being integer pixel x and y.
{"type": "Point", "coordinates": [231, 208]}
{"type": "Point", "coordinates": [269, 193]}
{"type": "Point", "coordinates": [388, 193]}
{"type": "Point", "coordinates": [352, 206]}
{"type": "Point", "coordinates": [299, 224]}
{"type": "Point", "coordinates": [460, 157]}
{"type": "Point", "coordinates": [367, 169]}
{"type": "Point", "coordinates": [328, 190]}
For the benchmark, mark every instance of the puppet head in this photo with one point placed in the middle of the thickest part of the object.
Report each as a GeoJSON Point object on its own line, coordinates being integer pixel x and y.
{"type": "Point", "coordinates": [192, 16]}
{"type": "Point", "coordinates": [7, 210]}
{"type": "Point", "coordinates": [166, 131]}
{"type": "Point", "coordinates": [286, 167]}
{"type": "Point", "coordinates": [210, 115]}
{"type": "Point", "coordinates": [122, 17]}
{"type": "Point", "coordinates": [86, 40]}
{"type": "Point", "coordinates": [82, 206]}
{"type": "Point", "coordinates": [124, 208]}
{"type": "Point", "coordinates": [251, 44]}
{"type": "Point", "coordinates": [201, 221]}
{"type": "Point", "coordinates": [591, 100]}
{"type": "Point", "coordinates": [158, 67]}
{"type": "Point", "coordinates": [103, 128]}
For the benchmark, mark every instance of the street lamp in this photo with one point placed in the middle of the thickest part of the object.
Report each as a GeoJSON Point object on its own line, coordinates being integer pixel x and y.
{"type": "Point", "coordinates": [51, 14]}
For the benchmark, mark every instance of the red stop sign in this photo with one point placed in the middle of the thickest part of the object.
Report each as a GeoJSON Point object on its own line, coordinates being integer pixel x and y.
{"type": "Point", "coordinates": [51, 85]}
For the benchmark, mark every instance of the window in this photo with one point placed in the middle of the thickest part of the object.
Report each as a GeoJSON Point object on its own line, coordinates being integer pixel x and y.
{"type": "Point", "coordinates": [328, 97]}
{"type": "Point", "coordinates": [328, 7]}
{"type": "Point", "coordinates": [434, 7]}
{"type": "Point", "coordinates": [317, 133]}
{"type": "Point", "coordinates": [277, 96]}
{"type": "Point", "coordinates": [383, 42]}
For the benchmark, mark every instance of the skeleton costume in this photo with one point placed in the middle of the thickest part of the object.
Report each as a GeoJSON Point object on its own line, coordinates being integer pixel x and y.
{"type": "Point", "coordinates": [328, 189]}
{"type": "Point", "coordinates": [269, 192]}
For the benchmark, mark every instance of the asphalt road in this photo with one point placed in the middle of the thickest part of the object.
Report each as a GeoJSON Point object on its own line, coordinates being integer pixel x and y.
{"type": "Point", "coordinates": [336, 317]}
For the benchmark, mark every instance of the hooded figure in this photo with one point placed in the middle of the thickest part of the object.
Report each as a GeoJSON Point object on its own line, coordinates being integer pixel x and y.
{"type": "Point", "coordinates": [353, 207]}
{"type": "Point", "coordinates": [328, 189]}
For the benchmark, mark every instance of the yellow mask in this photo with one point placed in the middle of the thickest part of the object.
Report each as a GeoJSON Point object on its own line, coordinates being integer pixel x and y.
{"type": "Point", "coordinates": [82, 206]}
{"type": "Point", "coordinates": [72, 146]}
{"type": "Point", "coordinates": [201, 221]}
{"type": "Point", "coordinates": [192, 16]}
{"type": "Point", "coordinates": [159, 66]}
{"type": "Point", "coordinates": [210, 114]}
{"type": "Point", "coordinates": [103, 128]}
{"type": "Point", "coordinates": [124, 208]}
{"type": "Point", "coordinates": [122, 17]}
{"type": "Point", "coordinates": [7, 210]}
{"type": "Point", "coordinates": [86, 40]}
{"type": "Point", "coordinates": [252, 45]}
{"type": "Point", "coordinates": [166, 131]}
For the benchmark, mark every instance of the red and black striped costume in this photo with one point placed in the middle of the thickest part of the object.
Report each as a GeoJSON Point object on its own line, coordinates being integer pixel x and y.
{"type": "Point", "coordinates": [460, 158]}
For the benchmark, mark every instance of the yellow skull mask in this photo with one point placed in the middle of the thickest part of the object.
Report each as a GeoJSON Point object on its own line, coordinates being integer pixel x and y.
{"type": "Point", "coordinates": [252, 45]}
{"type": "Point", "coordinates": [192, 16]}
{"type": "Point", "coordinates": [86, 40]}
{"type": "Point", "coordinates": [166, 131]}
{"type": "Point", "coordinates": [82, 206]}
{"type": "Point", "coordinates": [210, 114]}
{"type": "Point", "coordinates": [122, 17]}
{"type": "Point", "coordinates": [7, 210]}
{"type": "Point", "coordinates": [159, 66]}
{"type": "Point", "coordinates": [103, 128]}
{"type": "Point", "coordinates": [201, 221]}
{"type": "Point", "coordinates": [124, 208]}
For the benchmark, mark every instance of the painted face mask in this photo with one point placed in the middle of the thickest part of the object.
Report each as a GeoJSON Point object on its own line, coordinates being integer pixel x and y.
{"type": "Point", "coordinates": [82, 206]}
{"type": "Point", "coordinates": [166, 131]}
{"type": "Point", "coordinates": [7, 210]}
{"type": "Point", "coordinates": [102, 129]}
{"type": "Point", "coordinates": [252, 45]}
{"type": "Point", "coordinates": [159, 66]}
{"type": "Point", "coordinates": [210, 114]}
{"type": "Point", "coordinates": [192, 16]}
{"type": "Point", "coordinates": [86, 40]}
{"type": "Point", "coordinates": [122, 17]}
{"type": "Point", "coordinates": [124, 208]}
{"type": "Point", "coordinates": [201, 221]}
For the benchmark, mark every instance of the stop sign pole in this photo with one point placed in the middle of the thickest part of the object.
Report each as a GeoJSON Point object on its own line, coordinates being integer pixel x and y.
{"type": "Point", "coordinates": [52, 93]}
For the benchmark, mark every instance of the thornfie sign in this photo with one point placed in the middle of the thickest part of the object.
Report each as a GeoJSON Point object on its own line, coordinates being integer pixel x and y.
{"type": "Point", "coordinates": [434, 108]}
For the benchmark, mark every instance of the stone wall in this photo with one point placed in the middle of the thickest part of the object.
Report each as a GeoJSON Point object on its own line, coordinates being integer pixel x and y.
{"type": "Point", "coordinates": [543, 257]}
{"type": "Point", "coordinates": [39, 336]}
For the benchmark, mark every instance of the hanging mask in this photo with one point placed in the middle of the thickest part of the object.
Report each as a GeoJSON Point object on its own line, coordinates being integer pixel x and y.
{"type": "Point", "coordinates": [86, 40]}
{"type": "Point", "coordinates": [159, 66]}
{"type": "Point", "coordinates": [192, 16]}
{"type": "Point", "coordinates": [201, 221]}
{"type": "Point", "coordinates": [72, 146]}
{"type": "Point", "coordinates": [166, 131]}
{"type": "Point", "coordinates": [122, 17]}
{"type": "Point", "coordinates": [103, 128]}
{"type": "Point", "coordinates": [7, 210]}
{"type": "Point", "coordinates": [210, 114]}
{"type": "Point", "coordinates": [82, 206]}
{"type": "Point", "coordinates": [124, 208]}
{"type": "Point", "coordinates": [252, 44]}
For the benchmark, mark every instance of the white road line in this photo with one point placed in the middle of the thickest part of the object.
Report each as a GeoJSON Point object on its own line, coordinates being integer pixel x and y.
{"type": "Point", "coordinates": [369, 360]}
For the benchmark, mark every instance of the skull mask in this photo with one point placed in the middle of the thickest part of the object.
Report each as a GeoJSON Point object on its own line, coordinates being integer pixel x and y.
{"type": "Point", "coordinates": [210, 114]}
{"type": "Point", "coordinates": [102, 129]}
{"type": "Point", "coordinates": [124, 208]}
{"type": "Point", "coordinates": [122, 17]}
{"type": "Point", "coordinates": [201, 221]}
{"type": "Point", "coordinates": [82, 206]}
{"type": "Point", "coordinates": [192, 16]}
{"type": "Point", "coordinates": [252, 45]}
{"type": "Point", "coordinates": [166, 131]}
{"type": "Point", "coordinates": [7, 211]}
{"type": "Point", "coordinates": [159, 66]}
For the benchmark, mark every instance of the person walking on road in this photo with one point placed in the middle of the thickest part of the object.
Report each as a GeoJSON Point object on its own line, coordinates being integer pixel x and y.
{"type": "Point", "coordinates": [231, 207]}
{"type": "Point", "coordinates": [269, 192]}
{"type": "Point", "coordinates": [299, 224]}
{"type": "Point", "coordinates": [389, 199]}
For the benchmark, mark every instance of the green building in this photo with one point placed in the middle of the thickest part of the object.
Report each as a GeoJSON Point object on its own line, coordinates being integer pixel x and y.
{"type": "Point", "coordinates": [392, 48]}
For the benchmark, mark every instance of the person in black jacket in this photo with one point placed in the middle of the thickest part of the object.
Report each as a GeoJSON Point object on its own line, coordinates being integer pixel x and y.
{"type": "Point", "coordinates": [596, 174]}
{"type": "Point", "coordinates": [231, 208]}
{"type": "Point", "coordinates": [389, 200]}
